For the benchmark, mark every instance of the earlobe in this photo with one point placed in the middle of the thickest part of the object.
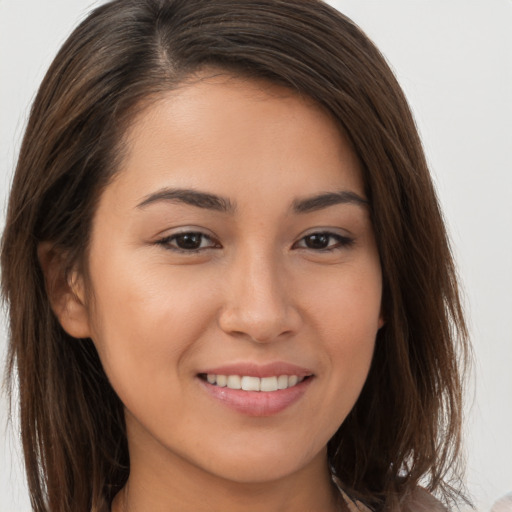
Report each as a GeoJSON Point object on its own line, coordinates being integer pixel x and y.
{"type": "Point", "coordinates": [382, 318]}
{"type": "Point", "coordinates": [66, 291]}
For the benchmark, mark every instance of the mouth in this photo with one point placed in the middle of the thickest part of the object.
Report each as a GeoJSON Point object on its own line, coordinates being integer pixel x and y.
{"type": "Point", "coordinates": [251, 383]}
{"type": "Point", "coordinates": [257, 391]}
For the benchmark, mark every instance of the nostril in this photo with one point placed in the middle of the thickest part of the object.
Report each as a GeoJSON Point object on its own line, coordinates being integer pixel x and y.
{"type": "Point", "coordinates": [260, 323]}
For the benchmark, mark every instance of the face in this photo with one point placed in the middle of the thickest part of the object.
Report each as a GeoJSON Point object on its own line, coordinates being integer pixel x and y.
{"type": "Point", "coordinates": [233, 249]}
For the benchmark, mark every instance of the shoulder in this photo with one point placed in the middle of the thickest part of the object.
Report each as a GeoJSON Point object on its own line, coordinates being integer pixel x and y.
{"type": "Point", "coordinates": [422, 501]}
{"type": "Point", "coordinates": [419, 500]}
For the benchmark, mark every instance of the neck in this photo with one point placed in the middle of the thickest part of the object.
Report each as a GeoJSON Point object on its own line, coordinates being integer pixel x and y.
{"type": "Point", "coordinates": [168, 483]}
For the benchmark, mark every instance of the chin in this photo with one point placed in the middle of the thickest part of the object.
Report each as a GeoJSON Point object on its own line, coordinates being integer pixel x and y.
{"type": "Point", "coordinates": [265, 465]}
{"type": "Point", "coordinates": [248, 472]}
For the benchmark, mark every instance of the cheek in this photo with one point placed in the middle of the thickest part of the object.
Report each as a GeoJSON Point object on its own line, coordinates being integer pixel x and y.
{"type": "Point", "coordinates": [346, 312]}
{"type": "Point", "coordinates": [346, 301]}
{"type": "Point", "coordinates": [146, 323]}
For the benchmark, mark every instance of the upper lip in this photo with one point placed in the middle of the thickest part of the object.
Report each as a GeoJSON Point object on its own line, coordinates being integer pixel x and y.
{"type": "Point", "coordinates": [252, 369]}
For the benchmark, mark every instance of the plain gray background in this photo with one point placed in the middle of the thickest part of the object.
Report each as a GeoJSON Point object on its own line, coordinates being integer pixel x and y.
{"type": "Point", "coordinates": [454, 60]}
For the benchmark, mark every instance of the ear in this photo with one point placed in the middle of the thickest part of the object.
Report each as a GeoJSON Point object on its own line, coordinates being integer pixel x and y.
{"type": "Point", "coordinates": [66, 291]}
{"type": "Point", "coordinates": [382, 317]}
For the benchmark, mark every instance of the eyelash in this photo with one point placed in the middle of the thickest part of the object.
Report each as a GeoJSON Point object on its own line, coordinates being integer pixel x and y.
{"type": "Point", "coordinates": [167, 242]}
{"type": "Point", "coordinates": [340, 242]}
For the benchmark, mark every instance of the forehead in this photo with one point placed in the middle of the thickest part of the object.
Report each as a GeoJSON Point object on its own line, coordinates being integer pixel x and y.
{"type": "Point", "coordinates": [223, 132]}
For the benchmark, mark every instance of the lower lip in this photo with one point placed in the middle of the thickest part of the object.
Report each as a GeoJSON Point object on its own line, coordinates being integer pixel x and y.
{"type": "Point", "coordinates": [258, 403]}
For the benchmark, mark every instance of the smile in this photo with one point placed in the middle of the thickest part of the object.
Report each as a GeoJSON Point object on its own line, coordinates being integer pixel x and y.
{"type": "Point", "coordinates": [251, 383]}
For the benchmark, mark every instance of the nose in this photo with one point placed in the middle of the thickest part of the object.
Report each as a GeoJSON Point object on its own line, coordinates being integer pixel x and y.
{"type": "Point", "coordinates": [259, 302]}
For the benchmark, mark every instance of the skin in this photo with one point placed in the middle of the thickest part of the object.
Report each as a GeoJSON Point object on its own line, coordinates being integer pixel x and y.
{"type": "Point", "coordinates": [258, 289]}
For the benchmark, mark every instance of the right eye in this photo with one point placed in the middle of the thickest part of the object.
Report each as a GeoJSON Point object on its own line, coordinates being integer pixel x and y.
{"type": "Point", "coordinates": [324, 241]}
{"type": "Point", "coordinates": [188, 241]}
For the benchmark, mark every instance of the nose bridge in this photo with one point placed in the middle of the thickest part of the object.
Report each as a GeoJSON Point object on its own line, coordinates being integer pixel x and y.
{"type": "Point", "coordinates": [263, 288]}
{"type": "Point", "coordinates": [258, 302]}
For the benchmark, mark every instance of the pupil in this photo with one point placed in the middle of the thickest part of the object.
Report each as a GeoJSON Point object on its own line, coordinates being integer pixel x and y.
{"type": "Point", "coordinates": [318, 241]}
{"type": "Point", "coordinates": [189, 241]}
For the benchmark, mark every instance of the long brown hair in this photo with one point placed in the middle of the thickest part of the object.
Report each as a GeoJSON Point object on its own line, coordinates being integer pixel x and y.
{"type": "Point", "coordinates": [405, 426]}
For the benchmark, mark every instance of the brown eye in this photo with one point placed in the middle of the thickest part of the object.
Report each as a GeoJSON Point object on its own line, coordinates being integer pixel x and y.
{"type": "Point", "coordinates": [324, 241]}
{"type": "Point", "coordinates": [190, 241]}
{"type": "Point", "coordinates": [317, 241]}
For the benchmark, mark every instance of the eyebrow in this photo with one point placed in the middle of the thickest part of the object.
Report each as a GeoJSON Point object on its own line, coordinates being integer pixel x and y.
{"type": "Point", "coordinates": [190, 197]}
{"type": "Point", "coordinates": [321, 201]}
{"type": "Point", "coordinates": [224, 205]}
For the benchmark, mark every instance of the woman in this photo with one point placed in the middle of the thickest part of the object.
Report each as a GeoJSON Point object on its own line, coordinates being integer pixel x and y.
{"type": "Point", "coordinates": [229, 282]}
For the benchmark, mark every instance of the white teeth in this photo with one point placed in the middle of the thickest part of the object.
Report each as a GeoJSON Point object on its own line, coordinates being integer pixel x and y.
{"type": "Point", "coordinates": [269, 384]}
{"type": "Point", "coordinates": [234, 382]}
{"type": "Point", "coordinates": [282, 382]}
{"type": "Point", "coordinates": [249, 383]}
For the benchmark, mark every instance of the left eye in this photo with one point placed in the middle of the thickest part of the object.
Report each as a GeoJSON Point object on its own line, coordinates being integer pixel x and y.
{"type": "Point", "coordinates": [323, 241]}
{"type": "Point", "coordinates": [188, 242]}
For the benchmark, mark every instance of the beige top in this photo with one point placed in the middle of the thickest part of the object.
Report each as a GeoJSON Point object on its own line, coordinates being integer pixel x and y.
{"type": "Point", "coordinates": [420, 501]}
